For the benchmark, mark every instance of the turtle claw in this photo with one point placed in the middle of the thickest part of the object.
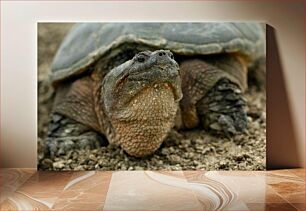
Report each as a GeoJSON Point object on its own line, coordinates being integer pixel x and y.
{"type": "Point", "coordinates": [226, 125]}
{"type": "Point", "coordinates": [58, 147]}
{"type": "Point", "coordinates": [67, 135]}
{"type": "Point", "coordinates": [62, 145]}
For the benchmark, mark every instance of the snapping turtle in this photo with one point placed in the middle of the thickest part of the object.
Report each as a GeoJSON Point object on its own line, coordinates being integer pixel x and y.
{"type": "Point", "coordinates": [131, 83]}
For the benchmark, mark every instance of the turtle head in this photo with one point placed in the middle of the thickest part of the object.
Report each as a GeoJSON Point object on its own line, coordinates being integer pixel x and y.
{"type": "Point", "coordinates": [147, 70]}
{"type": "Point", "coordinates": [140, 98]}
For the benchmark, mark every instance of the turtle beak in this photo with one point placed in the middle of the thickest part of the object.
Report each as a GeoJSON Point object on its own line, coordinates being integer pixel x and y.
{"type": "Point", "coordinates": [175, 81]}
{"type": "Point", "coordinates": [168, 72]}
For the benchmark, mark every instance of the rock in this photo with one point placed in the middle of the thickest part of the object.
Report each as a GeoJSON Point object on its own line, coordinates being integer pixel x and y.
{"type": "Point", "coordinates": [165, 151]}
{"type": "Point", "coordinates": [175, 159]}
{"type": "Point", "coordinates": [59, 164]}
{"type": "Point", "coordinates": [92, 157]}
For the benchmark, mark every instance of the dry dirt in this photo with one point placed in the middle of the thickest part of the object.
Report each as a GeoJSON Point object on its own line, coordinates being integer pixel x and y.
{"type": "Point", "coordinates": [183, 150]}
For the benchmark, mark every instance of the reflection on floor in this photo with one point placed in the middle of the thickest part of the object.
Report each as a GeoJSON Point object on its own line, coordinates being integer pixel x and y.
{"type": "Point", "coordinates": [27, 189]}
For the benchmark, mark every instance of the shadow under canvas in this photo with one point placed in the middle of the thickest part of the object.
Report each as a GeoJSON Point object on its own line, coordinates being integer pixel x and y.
{"type": "Point", "coordinates": [281, 141]}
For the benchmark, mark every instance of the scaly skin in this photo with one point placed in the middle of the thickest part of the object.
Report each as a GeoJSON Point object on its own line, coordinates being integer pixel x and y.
{"type": "Point", "coordinates": [136, 104]}
{"type": "Point", "coordinates": [213, 97]}
{"type": "Point", "coordinates": [140, 99]}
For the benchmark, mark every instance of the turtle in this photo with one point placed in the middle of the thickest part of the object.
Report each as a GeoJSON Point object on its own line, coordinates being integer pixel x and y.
{"type": "Point", "coordinates": [129, 84]}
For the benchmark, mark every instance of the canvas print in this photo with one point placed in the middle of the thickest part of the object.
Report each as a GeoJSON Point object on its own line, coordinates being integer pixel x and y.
{"type": "Point", "coordinates": [152, 96]}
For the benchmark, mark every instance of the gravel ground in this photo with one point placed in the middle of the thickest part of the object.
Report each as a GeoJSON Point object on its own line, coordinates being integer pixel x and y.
{"type": "Point", "coordinates": [182, 150]}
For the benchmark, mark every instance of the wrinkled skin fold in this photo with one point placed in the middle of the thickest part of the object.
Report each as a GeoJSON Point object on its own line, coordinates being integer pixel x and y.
{"type": "Point", "coordinates": [140, 97]}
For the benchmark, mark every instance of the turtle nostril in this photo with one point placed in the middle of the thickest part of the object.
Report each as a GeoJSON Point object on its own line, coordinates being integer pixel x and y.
{"type": "Point", "coordinates": [165, 55]}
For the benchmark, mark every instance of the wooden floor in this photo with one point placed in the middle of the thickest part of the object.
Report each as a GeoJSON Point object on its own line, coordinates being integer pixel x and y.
{"type": "Point", "coordinates": [28, 189]}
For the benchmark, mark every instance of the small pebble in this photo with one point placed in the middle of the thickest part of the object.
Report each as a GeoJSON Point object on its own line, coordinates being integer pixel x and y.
{"type": "Point", "coordinates": [59, 164]}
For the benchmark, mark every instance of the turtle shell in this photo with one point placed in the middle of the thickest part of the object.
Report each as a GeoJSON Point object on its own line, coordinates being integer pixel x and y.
{"type": "Point", "coordinates": [87, 42]}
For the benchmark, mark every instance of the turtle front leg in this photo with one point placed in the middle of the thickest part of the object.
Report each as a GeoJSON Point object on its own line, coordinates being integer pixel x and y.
{"type": "Point", "coordinates": [65, 135]}
{"type": "Point", "coordinates": [223, 109]}
{"type": "Point", "coordinates": [213, 97]}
